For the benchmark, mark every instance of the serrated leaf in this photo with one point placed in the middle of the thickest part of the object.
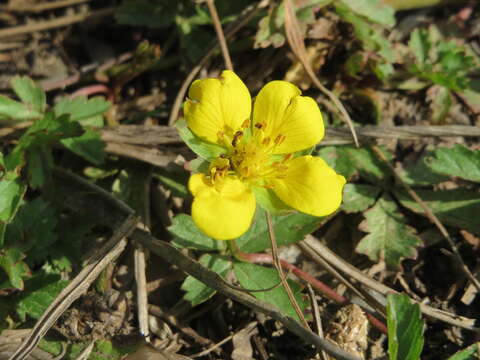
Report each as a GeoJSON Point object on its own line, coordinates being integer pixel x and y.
{"type": "Point", "coordinates": [288, 229]}
{"type": "Point", "coordinates": [470, 353]}
{"type": "Point", "coordinates": [371, 38]}
{"type": "Point", "coordinates": [86, 111]}
{"type": "Point", "coordinates": [420, 45]}
{"type": "Point", "coordinates": [40, 164]}
{"type": "Point", "coordinates": [187, 235]}
{"type": "Point", "coordinates": [348, 160]}
{"type": "Point", "coordinates": [255, 277]}
{"type": "Point", "coordinates": [130, 187]}
{"type": "Point", "coordinates": [196, 291]}
{"type": "Point", "coordinates": [33, 229]}
{"type": "Point", "coordinates": [203, 149]}
{"type": "Point", "coordinates": [405, 328]}
{"type": "Point", "coordinates": [458, 161]}
{"type": "Point", "coordinates": [11, 261]}
{"type": "Point", "coordinates": [373, 10]}
{"type": "Point", "coordinates": [40, 291]}
{"type": "Point", "coordinates": [458, 207]}
{"type": "Point", "coordinates": [389, 237]}
{"type": "Point", "coordinates": [30, 93]}
{"type": "Point", "coordinates": [420, 174]}
{"type": "Point", "coordinates": [11, 194]}
{"type": "Point", "coordinates": [89, 145]}
{"type": "Point", "coordinates": [15, 110]}
{"type": "Point", "coordinates": [357, 197]}
{"type": "Point", "coordinates": [441, 102]}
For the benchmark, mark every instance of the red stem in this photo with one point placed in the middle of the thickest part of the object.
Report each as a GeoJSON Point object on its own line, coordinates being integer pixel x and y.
{"type": "Point", "coordinates": [316, 284]}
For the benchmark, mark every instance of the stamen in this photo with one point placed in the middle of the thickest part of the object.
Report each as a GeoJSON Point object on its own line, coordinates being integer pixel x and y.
{"type": "Point", "coordinates": [260, 125]}
{"type": "Point", "coordinates": [246, 124]}
{"type": "Point", "coordinates": [266, 141]}
{"type": "Point", "coordinates": [279, 139]}
{"type": "Point", "coordinates": [287, 157]}
{"type": "Point", "coordinates": [236, 137]}
{"type": "Point", "coordinates": [220, 134]}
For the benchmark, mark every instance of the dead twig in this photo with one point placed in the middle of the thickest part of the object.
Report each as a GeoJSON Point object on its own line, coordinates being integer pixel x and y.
{"type": "Point", "coordinates": [173, 256]}
{"type": "Point", "coordinates": [221, 37]}
{"type": "Point", "coordinates": [34, 8]}
{"type": "Point", "coordinates": [229, 32]}
{"type": "Point", "coordinates": [55, 23]}
{"type": "Point", "coordinates": [348, 269]}
{"type": "Point", "coordinates": [295, 40]}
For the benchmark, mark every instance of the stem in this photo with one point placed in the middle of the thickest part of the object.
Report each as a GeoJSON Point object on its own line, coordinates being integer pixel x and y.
{"type": "Point", "coordinates": [278, 266]}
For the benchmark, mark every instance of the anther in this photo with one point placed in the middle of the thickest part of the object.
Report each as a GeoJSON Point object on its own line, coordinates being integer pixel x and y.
{"type": "Point", "coordinates": [260, 125]}
{"type": "Point", "coordinates": [279, 139]}
{"type": "Point", "coordinates": [246, 124]}
{"type": "Point", "coordinates": [237, 136]}
{"type": "Point", "coordinates": [266, 141]}
{"type": "Point", "coordinates": [287, 157]}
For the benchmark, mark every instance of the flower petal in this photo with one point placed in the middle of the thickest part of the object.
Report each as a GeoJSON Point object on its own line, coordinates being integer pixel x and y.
{"type": "Point", "coordinates": [310, 186]}
{"type": "Point", "coordinates": [285, 113]}
{"type": "Point", "coordinates": [217, 106]}
{"type": "Point", "coordinates": [224, 211]}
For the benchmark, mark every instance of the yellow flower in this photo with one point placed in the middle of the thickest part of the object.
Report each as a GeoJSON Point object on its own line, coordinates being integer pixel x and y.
{"type": "Point", "coordinates": [260, 154]}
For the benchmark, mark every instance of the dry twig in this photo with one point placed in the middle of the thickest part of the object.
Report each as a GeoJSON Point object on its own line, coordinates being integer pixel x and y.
{"type": "Point", "coordinates": [295, 40]}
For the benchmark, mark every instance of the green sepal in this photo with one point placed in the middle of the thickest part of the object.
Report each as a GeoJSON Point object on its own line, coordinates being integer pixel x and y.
{"type": "Point", "coordinates": [270, 202]}
{"type": "Point", "coordinates": [200, 147]}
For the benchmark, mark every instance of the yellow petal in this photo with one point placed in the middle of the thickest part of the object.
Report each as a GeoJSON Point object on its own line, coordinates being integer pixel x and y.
{"type": "Point", "coordinates": [224, 211]}
{"type": "Point", "coordinates": [217, 106]}
{"type": "Point", "coordinates": [310, 186]}
{"type": "Point", "coordinates": [286, 114]}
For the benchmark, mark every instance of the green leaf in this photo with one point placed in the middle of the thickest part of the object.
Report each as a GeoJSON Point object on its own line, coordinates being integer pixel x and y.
{"type": "Point", "coordinates": [358, 197]}
{"type": "Point", "coordinates": [146, 13]}
{"type": "Point", "coordinates": [458, 161]}
{"type": "Point", "coordinates": [373, 10]}
{"type": "Point", "coordinates": [405, 328]}
{"type": "Point", "coordinates": [32, 231]}
{"type": "Point", "coordinates": [30, 93]}
{"type": "Point", "coordinates": [458, 207]}
{"type": "Point", "coordinates": [372, 39]}
{"type": "Point", "coordinates": [389, 237]}
{"type": "Point", "coordinates": [175, 178]}
{"type": "Point", "coordinates": [419, 173]}
{"type": "Point", "coordinates": [420, 45]}
{"type": "Point", "coordinates": [348, 160]}
{"type": "Point", "coordinates": [40, 165]}
{"type": "Point", "coordinates": [86, 111]}
{"type": "Point", "coordinates": [269, 201]}
{"type": "Point", "coordinates": [15, 110]}
{"type": "Point", "coordinates": [470, 353]}
{"type": "Point", "coordinates": [130, 187]}
{"type": "Point", "coordinates": [196, 291]}
{"type": "Point", "coordinates": [187, 235]}
{"type": "Point", "coordinates": [40, 291]}
{"type": "Point", "coordinates": [11, 261]}
{"type": "Point", "coordinates": [441, 102]}
{"type": "Point", "coordinates": [255, 277]}
{"type": "Point", "coordinates": [11, 195]}
{"type": "Point", "coordinates": [288, 229]}
{"type": "Point", "coordinates": [89, 145]}
{"type": "Point", "coordinates": [202, 148]}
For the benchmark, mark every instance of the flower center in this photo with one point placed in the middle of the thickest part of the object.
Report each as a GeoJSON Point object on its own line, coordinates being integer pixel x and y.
{"type": "Point", "coordinates": [251, 157]}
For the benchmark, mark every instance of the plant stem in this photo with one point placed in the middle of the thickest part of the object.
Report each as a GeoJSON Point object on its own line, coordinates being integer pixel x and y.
{"type": "Point", "coordinates": [278, 266]}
